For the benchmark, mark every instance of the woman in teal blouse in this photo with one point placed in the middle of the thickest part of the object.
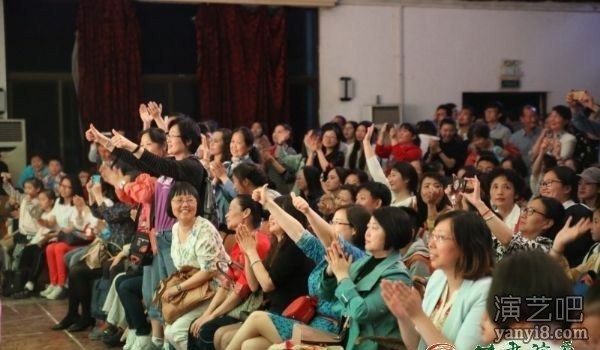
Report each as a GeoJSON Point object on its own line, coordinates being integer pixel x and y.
{"type": "Point", "coordinates": [460, 248]}
{"type": "Point", "coordinates": [356, 285]}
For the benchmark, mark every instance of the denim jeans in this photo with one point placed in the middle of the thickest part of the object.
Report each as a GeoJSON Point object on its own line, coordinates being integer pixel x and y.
{"type": "Point", "coordinates": [162, 266]}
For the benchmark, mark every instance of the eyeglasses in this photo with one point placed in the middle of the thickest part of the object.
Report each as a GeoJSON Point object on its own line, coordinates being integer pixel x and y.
{"type": "Point", "coordinates": [337, 222]}
{"type": "Point", "coordinates": [171, 136]}
{"type": "Point", "coordinates": [438, 238]}
{"type": "Point", "coordinates": [529, 211]}
{"type": "Point", "coordinates": [547, 183]}
{"type": "Point", "coordinates": [187, 200]}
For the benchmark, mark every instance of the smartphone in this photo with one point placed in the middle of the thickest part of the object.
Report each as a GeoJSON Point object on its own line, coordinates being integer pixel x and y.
{"type": "Point", "coordinates": [578, 95]}
{"type": "Point", "coordinates": [95, 179]}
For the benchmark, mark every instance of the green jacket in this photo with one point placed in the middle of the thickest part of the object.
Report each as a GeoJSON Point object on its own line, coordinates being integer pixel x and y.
{"type": "Point", "coordinates": [362, 301]}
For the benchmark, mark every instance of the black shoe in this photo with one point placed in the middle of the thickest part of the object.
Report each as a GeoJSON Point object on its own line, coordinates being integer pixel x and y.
{"type": "Point", "coordinates": [64, 324]}
{"type": "Point", "coordinates": [24, 294]}
{"type": "Point", "coordinates": [82, 325]}
{"type": "Point", "coordinates": [112, 337]}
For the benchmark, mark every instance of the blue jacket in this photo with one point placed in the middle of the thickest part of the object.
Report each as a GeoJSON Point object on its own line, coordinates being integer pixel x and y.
{"type": "Point", "coordinates": [462, 327]}
{"type": "Point", "coordinates": [362, 301]}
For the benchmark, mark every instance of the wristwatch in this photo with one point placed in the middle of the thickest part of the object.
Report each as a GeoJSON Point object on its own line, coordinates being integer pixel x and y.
{"type": "Point", "coordinates": [178, 286]}
{"type": "Point", "coordinates": [122, 184]}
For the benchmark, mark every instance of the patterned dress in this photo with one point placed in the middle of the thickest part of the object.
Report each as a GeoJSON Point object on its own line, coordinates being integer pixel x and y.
{"type": "Point", "coordinates": [312, 248]}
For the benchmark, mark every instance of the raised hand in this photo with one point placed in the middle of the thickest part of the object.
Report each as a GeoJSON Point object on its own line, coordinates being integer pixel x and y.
{"type": "Point", "coordinates": [145, 115]}
{"type": "Point", "coordinates": [570, 233]}
{"type": "Point", "coordinates": [338, 261]}
{"type": "Point", "coordinates": [300, 204]}
{"type": "Point", "coordinates": [245, 239]}
{"type": "Point", "coordinates": [120, 141]}
{"type": "Point", "coordinates": [93, 135]}
{"type": "Point", "coordinates": [155, 110]}
{"type": "Point", "coordinates": [369, 134]}
{"type": "Point", "coordinates": [474, 197]}
{"type": "Point", "coordinates": [403, 301]}
{"type": "Point", "coordinates": [260, 195]}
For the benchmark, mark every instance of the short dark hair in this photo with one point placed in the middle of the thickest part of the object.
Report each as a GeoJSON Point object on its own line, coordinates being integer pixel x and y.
{"type": "Point", "coordinates": [518, 165]}
{"type": "Point", "coordinates": [535, 274]}
{"type": "Point", "coordinates": [415, 133]}
{"type": "Point", "coordinates": [511, 176]}
{"type": "Point", "coordinates": [397, 226]}
{"type": "Point", "coordinates": [446, 108]}
{"type": "Point", "coordinates": [377, 191]}
{"type": "Point", "coordinates": [426, 127]}
{"type": "Point", "coordinates": [251, 172]}
{"type": "Point", "coordinates": [409, 173]}
{"type": "Point", "coordinates": [157, 135]}
{"type": "Point", "coordinates": [487, 156]}
{"type": "Point", "coordinates": [480, 130]}
{"type": "Point", "coordinates": [474, 240]}
{"type": "Point", "coordinates": [358, 217]}
{"type": "Point", "coordinates": [448, 121]}
{"type": "Point", "coordinates": [35, 182]}
{"type": "Point", "coordinates": [189, 131]}
{"type": "Point", "coordinates": [336, 129]}
{"type": "Point", "coordinates": [421, 205]}
{"type": "Point", "coordinates": [181, 188]}
{"type": "Point", "coordinates": [361, 174]}
{"type": "Point", "coordinates": [494, 104]}
{"type": "Point", "coordinates": [50, 194]}
{"type": "Point", "coordinates": [563, 111]}
{"type": "Point", "coordinates": [350, 188]}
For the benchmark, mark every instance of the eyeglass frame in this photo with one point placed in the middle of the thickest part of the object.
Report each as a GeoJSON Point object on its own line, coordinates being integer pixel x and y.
{"type": "Point", "coordinates": [547, 183]}
{"type": "Point", "coordinates": [529, 211]}
{"type": "Point", "coordinates": [431, 236]}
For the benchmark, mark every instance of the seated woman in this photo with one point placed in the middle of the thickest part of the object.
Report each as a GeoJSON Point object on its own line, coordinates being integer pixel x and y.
{"type": "Point", "coordinates": [242, 211]}
{"type": "Point", "coordinates": [242, 151]}
{"type": "Point", "coordinates": [281, 174]}
{"type": "Point", "coordinates": [196, 243]}
{"type": "Point", "coordinates": [569, 233]}
{"type": "Point", "coordinates": [404, 143]}
{"type": "Point", "coordinates": [560, 183]}
{"type": "Point", "coordinates": [326, 318]}
{"type": "Point", "coordinates": [71, 213]}
{"type": "Point", "coordinates": [324, 150]}
{"type": "Point", "coordinates": [309, 185]}
{"type": "Point", "coordinates": [262, 328]}
{"type": "Point", "coordinates": [402, 179]}
{"type": "Point", "coordinates": [431, 200]}
{"type": "Point", "coordinates": [538, 275]}
{"type": "Point", "coordinates": [81, 276]}
{"type": "Point", "coordinates": [455, 296]}
{"type": "Point", "coordinates": [539, 222]}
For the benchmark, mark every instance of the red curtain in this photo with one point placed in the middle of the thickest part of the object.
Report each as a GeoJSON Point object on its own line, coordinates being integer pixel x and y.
{"type": "Point", "coordinates": [109, 64]}
{"type": "Point", "coordinates": [242, 65]}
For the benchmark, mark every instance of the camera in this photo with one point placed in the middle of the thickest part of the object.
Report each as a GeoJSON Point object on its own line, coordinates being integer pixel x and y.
{"type": "Point", "coordinates": [459, 185]}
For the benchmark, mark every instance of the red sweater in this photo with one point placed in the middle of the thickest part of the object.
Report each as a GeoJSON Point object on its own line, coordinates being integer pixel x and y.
{"type": "Point", "coordinates": [402, 152]}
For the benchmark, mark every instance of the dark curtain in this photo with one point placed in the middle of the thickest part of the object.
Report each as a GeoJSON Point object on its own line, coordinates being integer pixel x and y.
{"type": "Point", "coordinates": [109, 64]}
{"type": "Point", "coordinates": [242, 65]}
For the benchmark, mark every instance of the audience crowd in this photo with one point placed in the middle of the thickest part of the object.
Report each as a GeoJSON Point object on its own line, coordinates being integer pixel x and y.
{"type": "Point", "coordinates": [462, 229]}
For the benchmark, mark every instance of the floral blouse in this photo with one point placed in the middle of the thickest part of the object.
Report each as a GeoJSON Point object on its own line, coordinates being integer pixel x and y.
{"type": "Point", "coordinates": [202, 249]}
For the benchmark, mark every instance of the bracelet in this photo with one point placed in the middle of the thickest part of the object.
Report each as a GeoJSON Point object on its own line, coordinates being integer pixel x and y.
{"type": "Point", "coordinates": [136, 149]}
{"type": "Point", "coordinates": [486, 212]}
{"type": "Point", "coordinates": [255, 262]}
{"type": "Point", "coordinates": [489, 218]}
{"type": "Point", "coordinates": [108, 145]}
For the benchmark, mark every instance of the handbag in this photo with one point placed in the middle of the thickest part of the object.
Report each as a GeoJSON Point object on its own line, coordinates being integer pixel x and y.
{"type": "Point", "coordinates": [304, 334]}
{"type": "Point", "coordinates": [97, 253]}
{"type": "Point", "coordinates": [140, 253]}
{"type": "Point", "coordinates": [302, 309]}
{"type": "Point", "coordinates": [77, 237]}
{"type": "Point", "coordinates": [183, 302]}
{"type": "Point", "coordinates": [253, 302]}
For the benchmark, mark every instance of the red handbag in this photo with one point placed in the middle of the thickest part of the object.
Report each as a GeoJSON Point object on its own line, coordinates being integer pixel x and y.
{"type": "Point", "coordinates": [302, 309]}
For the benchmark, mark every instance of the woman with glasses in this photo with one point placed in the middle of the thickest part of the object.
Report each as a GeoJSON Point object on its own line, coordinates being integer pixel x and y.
{"type": "Point", "coordinates": [538, 224]}
{"type": "Point", "coordinates": [324, 151]}
{"type": "Point", "coordinates": [460, 249]}
{"type": "Point", "coordinates": [560, 183]}
{"type": "Point", "coordinates": [342, 283]}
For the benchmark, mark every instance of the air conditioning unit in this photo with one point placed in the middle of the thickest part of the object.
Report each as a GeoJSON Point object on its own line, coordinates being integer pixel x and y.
{"type": "Point", "coordinates": [13, 145]}
{"type": "Point", "coordinates": [380, 114]}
